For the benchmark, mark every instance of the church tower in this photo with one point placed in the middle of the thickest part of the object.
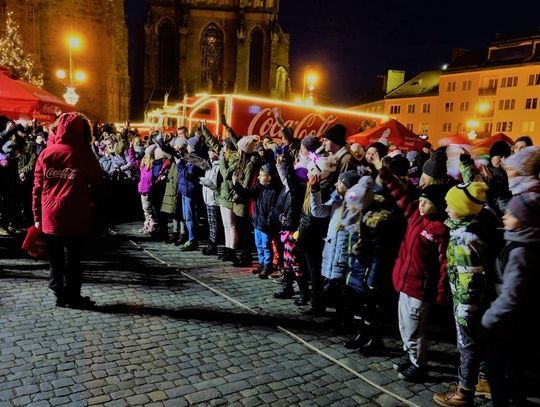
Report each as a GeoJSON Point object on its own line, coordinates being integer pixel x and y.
{"type": "Point", "coordinates": [214, 46]}
{"type": "Point", "coordinates": [103, 53]}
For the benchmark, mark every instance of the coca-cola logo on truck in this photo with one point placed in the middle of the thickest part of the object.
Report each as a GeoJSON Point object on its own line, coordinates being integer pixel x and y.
{"type": "Point", "coordinates": [265, 123]}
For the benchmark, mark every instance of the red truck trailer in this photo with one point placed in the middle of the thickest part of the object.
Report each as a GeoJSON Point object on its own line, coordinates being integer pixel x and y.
{"type": "Point", "coordinates": [249, 115]}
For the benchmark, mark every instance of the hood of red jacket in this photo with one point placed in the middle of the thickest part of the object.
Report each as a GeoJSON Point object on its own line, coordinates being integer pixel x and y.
{"type": "Point", "coordinates": [70, 130]}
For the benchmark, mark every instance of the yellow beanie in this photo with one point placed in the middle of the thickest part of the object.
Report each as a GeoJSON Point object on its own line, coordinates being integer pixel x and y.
{"type": "Point", "coordinates": [467, 199]}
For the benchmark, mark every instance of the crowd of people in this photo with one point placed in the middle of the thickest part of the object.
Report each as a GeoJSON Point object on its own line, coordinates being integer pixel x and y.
{"type": "Point", "coordinates": [340, 223]}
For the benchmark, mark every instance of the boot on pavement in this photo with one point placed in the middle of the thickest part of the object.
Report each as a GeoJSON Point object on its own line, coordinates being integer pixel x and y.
{"type": "Point", "coordinates": [267, 270]}
{"type": "Point", "coordinates": [361, 338]}
{"type": "Point", "coordinates": [456, 396]}
{"type": "Point", "coordinates": [482, 388]}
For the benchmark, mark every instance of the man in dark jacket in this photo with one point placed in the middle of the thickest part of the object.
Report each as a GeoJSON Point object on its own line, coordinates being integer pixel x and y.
{"type": "Point", "coordinates": [61, 203]}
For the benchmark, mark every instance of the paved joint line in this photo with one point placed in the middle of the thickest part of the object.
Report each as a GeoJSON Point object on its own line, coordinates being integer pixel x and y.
{"type": "Point", "coordinates": [280, 328]}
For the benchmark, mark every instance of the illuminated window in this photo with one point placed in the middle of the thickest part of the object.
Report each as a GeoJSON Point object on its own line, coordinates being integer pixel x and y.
{"type": "Point", "coordinates": [212, 57]}
{"type": "Point", "coordinates": [447, 127]}
{"type": "Point", "coordinates": [466, 85]}
{"type": "Point", "coordinates": [528, 127]}
{"type": "Point", "coordinates": [449, 107]}
{"type": "Point", "coordinates": [410, 108]}
{"type": "Point", "coordinates": [451, 86]}
{"type": "Point", "coordinates": [464, 106]}
{"type": "Point", "coordinates": [255, 60]}
{"type": "Point", "coordinates": [531, 103]}
{"type": "Point", "coordinates": [534, 79]}
{"type": "Point", "coordinates": [395, 109]}
{"type": "Point", "coordinates": [426, 107]}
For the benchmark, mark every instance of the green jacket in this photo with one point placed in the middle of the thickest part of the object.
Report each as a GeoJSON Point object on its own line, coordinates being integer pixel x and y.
{"type": "Point", "coordinates": [467, 256]}
{"type": "Point", "coordinates": [170, 196]}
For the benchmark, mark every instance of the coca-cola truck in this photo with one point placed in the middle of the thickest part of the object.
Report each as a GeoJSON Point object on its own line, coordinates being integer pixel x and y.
{"type": "Point", "coordinates": [249, 115]}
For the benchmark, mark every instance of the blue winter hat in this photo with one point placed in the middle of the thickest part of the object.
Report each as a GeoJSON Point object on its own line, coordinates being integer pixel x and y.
{"type": "Point", "coordinates": [269, 168]}
{"type": "Point", "coordinates": [194, 142]}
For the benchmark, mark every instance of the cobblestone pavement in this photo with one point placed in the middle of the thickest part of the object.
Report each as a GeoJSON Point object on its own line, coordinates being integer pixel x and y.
{"type": "Point", "coordinates": [176, 329]}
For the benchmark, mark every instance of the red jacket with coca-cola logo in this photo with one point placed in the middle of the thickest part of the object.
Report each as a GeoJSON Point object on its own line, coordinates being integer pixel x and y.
{"type": "Point", "coordinates": [64, 173]}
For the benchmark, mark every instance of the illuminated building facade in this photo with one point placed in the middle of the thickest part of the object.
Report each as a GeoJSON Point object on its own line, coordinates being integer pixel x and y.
{"type": "Point", "coordinates": [479, 94]}
{"type": "Point", "coordinates": [103, 53]}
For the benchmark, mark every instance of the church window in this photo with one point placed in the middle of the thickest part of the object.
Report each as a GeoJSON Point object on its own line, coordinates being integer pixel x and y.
{"type": "Point", "coordinates": [212, 57]}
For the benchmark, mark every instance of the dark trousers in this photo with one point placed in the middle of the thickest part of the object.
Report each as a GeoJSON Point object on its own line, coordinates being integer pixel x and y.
{"type": "Point", "coordinates": [65, 277]}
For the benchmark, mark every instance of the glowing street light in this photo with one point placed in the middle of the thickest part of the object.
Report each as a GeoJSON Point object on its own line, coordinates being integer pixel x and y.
{"type": "Point", "coordinates": [70, 80]}
{"type": "Point", "coordinates": [309, 81]}
{"type": "Point", "coordinates": [483, 107]}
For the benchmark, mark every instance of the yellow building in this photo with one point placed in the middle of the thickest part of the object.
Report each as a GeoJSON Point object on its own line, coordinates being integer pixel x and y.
{"type": "Point", "coordinates": [479, 94]}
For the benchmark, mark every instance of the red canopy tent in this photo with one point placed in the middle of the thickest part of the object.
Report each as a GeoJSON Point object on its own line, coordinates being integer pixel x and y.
{"type": "Point", "coordinates": [391, 130]}
{"type": "Point", "coordinates": [489, 141]}
{"type": "Point", "coordinates": [457, 138]}
{"type": "Point", "coordinates": [19, 99]}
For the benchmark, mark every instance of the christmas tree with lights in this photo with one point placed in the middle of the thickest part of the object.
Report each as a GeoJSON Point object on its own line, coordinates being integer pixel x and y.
{"type": "Point", "coordinates": [12, 54]}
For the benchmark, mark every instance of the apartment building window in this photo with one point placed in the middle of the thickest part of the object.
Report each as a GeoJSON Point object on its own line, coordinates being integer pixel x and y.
{"type": "Point", "coordinates": [531, 103]}
{"type": "Point", "coordinates": [488, 128]}
{"type": "Point", "coordinates": [447, 127]}
{"type": "Point", "coordinates": [424, 128]}
{"type": "Point", "coordinates": [504, 126]}
{"type": "Point", "coordinates": [528, 127]}
{"type": "Point", "coordinates": [426, 107]}
{"type": "Point", "coordinates": [534, 79]}
{"type": "Point", "coordinates": [460, 127]}
{"type": "Point", "coordinates": [466, 85]}
{"type": "Point", "coordinates": [410, 108]}
{"type": "Point", "coordinates": [507, 104]}
{"type": "Point", "coordinates": [395, 109]}
{"type": "Point", "coordinates": [464, 107]}
{"type": "Point", "coordinates": [449, 107]}
{"type": "Point", "coordinates": [410, 126]}
{"type": "Point", "coordinates": [451, 86]}
{"type": "Point", "coordinates": [509, 82]}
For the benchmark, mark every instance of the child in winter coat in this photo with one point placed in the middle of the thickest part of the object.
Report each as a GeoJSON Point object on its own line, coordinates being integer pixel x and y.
{"type": "Point", "coordinates": [367, 261]}
{"type": "Point", "coordinates": [419, 274]}
{"type": "Point", "coordinates": [144, 187]}
{"type": "Point", "coordinates": [210, 191]}
{"type": "Point", "coordinates": [265, 194]}
{"type": "Point", "coordinates": [512, 346]}
{"type": "Point", "coordinates": [467, 261]}
{"type": "Point", "coordinates": [335, 253]}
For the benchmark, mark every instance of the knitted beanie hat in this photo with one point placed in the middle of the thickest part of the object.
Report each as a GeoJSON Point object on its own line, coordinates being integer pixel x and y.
{"type": "Point", "coordinates": [180, 142]}
{"type": "Point", "coordinates": [525, 161]}
{"type": "Point", "coordinates": [248, 144]}
{"type": "Point", "coordinates": [159, 154]}
{"type": "Point", "coordinates": [311, 143]}
{"type": "Point", "coordinates": [269, 168]}
{"type": "Point", "coordinates": [349, 178]}
{"type": "Point", "coordinates": [467, 199]}
{"type": "Point", "coordinates": [336, 134]}
{"type": "Point", "coordinates": [526, 208]}
{"type": "Point", "coordinates": [194, 142]}
{"type": "Point", "coordinates": [361, 195]}
{"type": "Point", "coordinates": [399, 165]}
{"type": "Point", "coordinates": [500, 148]}
{"type": "Point", "coordinates": [436, 165]}
{"type": "Point", "coordinates": [435, 194]}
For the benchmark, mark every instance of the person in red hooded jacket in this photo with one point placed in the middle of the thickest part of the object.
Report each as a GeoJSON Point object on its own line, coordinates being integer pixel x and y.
{"type": "Point", "coordinates": [65, 172]}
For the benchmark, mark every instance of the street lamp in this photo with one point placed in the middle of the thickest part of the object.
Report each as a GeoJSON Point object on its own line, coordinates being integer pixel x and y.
{"type": "Point", "coordinates": [309, 81]}
{"type": "Point", "coordinates": [74, 77]}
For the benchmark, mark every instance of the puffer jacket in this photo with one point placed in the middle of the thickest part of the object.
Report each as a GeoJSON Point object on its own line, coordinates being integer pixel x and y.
{"type": "Point", "coordinates": [517, 280]}
{"type": "Point", "coordinates": [420, 268]}
{"type": "Point", "coordinates": [64, 173]}
{"type": "Point", "coordinates": [210, 184]}
{"type": "Point", "coordinates": [467, 260]}
{"type": "Point", "coordinates": [367, 248]}
{"type": "Point", "coordinates": [188, 178]}
{"type": "Point", "coordinates": [335, 252]}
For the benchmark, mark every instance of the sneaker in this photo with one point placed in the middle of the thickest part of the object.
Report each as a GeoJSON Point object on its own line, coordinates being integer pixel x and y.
{"type": "Point", "coordinates": [188, 247]}
{"type": "Point", "coordinates": [258, 269]}
{"type": "Point", "coordinates": [413, 374]}
{"type": "Point", "coordinates": [482, 388]}
{"type": "Point", "coordinates": [456, 396]}
{"type": "Point", "coordinates": [402, 363]}
{"type": "Point", "coordinates": [4, 232]}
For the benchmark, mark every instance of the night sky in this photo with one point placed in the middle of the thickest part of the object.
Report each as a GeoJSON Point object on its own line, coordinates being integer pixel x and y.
{"type": "Point", "coordinates": [351, 41]}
